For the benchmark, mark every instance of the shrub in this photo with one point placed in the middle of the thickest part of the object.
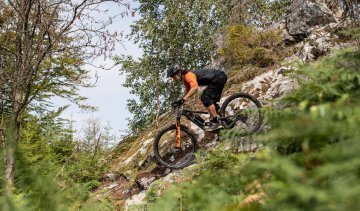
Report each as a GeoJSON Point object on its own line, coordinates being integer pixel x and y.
{"type": "Point", "coordinates": [246, 45]}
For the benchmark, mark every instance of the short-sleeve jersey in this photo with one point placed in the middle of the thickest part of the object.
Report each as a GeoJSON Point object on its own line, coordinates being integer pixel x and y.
{"type": "Point", "coordinates": [190, 80]}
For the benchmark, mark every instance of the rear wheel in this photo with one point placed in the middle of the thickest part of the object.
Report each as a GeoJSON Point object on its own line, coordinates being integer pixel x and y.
{"type": "Point", "coordinates": [164, 146]}
{"type": "Point", "coordinates": [242, 111]}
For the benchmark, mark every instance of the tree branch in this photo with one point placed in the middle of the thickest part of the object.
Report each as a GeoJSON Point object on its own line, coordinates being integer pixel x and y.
{"type": "Point", "coordinates": [7, 50]}
{"type": "Point", "coordinates": [15, 8]}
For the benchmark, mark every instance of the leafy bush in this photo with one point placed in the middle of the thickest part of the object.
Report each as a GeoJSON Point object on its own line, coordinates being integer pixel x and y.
{"type": "Point", "coordinates": [50, 174]}
{"type": "Point", "coordinates": [212, 189]}
{"type": "Point", "coordinates": [246, 45]}
{"type": "Point", "coordinates": [329, 80]}
{"type": "Point", "coordinates": [312, 163]}
{"type": "Point", "coordinates": [259, 13]}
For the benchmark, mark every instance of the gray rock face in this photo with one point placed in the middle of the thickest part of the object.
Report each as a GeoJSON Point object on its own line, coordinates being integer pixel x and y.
{"type": "Point", "coordinates": [145, 182]}
{"type": "Point", "coordinates": [270, 85]}
{"type": "Point", "coordinates": [304, 15]}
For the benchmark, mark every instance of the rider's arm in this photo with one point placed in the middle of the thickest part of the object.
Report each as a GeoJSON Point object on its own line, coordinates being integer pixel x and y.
{"type": "Point", "coordinates": [191, 92]}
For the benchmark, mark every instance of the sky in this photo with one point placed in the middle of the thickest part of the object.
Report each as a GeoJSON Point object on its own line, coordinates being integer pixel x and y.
{"type": "Point", "coordinates": [109, 96]}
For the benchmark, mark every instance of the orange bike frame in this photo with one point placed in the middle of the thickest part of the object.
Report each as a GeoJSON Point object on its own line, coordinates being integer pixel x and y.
{"type": "Point", "coordinates": [178, 141]}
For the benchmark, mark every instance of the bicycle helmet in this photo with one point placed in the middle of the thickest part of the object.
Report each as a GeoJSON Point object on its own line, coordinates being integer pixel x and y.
{"type": "Point", "coordinates": [173, 69]}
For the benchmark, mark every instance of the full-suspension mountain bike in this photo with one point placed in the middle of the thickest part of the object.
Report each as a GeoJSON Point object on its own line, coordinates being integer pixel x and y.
{"type": "Point", "coordinates": [240, 111]}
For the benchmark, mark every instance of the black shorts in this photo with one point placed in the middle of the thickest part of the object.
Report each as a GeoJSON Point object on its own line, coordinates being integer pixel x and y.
{"type": "Point", "coordinates": [212, 93]}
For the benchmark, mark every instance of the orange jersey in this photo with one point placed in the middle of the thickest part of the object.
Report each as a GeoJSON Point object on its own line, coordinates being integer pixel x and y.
{"type": "Point", "coordinates": [190, 80]}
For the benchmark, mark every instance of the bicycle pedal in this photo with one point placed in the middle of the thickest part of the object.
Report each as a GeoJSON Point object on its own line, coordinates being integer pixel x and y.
{"type": "Point", "coordinates": [214, 128]}
{"type": "Point", "coordinates": [207, 124]}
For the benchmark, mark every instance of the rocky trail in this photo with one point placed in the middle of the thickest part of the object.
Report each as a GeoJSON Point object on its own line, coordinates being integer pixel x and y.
{"type": "Point", "coordinates": [311, 30]}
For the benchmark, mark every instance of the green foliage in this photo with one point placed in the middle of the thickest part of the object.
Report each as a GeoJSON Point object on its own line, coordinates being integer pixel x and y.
{"type": "Point", "coordinates": [35, 183]}
{"type": "Point", "coordinates": [186, 32]}
{"type": "Point", "coordinates": [329, 80]}
{"type": "Point", "coordinates": [144, 80]}
{"type": "Point", "coordinates": [92, 185]}
{"type": "Point", "coordinates": [60, 74]}
{"type": "Point", "coordinates": [52, 172]}
{"type": "Point", "coordinates": [245, 45]}
{"type": "Point", "coordinates": [258, 13]}
{"type": "Point", "coordinates": [85, 167]}
{"type": "Point", "coordinates": [215, 186]}
{"type": "Point", "coordinates": [316, 164]}
{"type": "Point", "coordinates": [311, 161]}
{"type": "Point", "coordinates": [352, 34]}
{"type": "Point", "coordinates": [124, 145]}
{"type": "Point", "coordinates": [168, 34]}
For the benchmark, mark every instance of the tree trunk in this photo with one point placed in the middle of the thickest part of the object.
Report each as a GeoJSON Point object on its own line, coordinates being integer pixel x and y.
{"type": "Point", "coordinates": [11, 140]}
{"type": "Point", "coordinates": [12, 136]}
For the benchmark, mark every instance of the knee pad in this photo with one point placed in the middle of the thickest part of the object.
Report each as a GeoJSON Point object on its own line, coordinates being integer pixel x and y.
{"type": "Point", "coordinates": [206, 100]}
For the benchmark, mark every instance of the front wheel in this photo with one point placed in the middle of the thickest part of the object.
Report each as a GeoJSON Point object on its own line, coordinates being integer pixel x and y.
{"type": "Point", "coordinates": [164, 147]}
{"type": "Point", "coordinates": [242, 111]}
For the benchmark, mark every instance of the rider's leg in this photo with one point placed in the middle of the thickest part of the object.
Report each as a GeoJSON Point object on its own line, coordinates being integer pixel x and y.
{"type": "Point", "coordinates": [214, 122]}
{"type": "Point", "coordinates": [212, 111]}
{"type": "Point", "coordinates": [212, 94]}
{"type": "Point", "coordinates": [206, 98]}
{"type": "Point", "coordinates": [217, 107]}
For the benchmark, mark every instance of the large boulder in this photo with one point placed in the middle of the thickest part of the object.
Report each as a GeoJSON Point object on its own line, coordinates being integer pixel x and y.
{"type": "Point", "coordinates": [304, 15]}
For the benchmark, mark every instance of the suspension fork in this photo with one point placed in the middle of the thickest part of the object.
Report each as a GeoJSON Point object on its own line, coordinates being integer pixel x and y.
{"type": "Point", "coordinates": [178, 141]}
{"type": "Point", "coordinates": [178, 131]}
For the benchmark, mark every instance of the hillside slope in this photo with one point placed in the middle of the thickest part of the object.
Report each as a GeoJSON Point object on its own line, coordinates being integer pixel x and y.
{"type": "Point", "coordinates": [133, 168]}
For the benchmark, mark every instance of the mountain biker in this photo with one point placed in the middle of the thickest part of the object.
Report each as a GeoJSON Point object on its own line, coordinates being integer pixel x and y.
{"type": "Point", "coordinates": [214, 79]}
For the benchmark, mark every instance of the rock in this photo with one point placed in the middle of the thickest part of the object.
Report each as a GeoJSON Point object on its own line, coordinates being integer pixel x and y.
{"type": "Point", "coordinates": [170, 178]}
{"type": "Point", "coordinates": [145, 162]}
{"type": "Point", "coordinates": [281, 27]}
{"type": "Point", "coordinates": [282, 70]}
{"type": "Point", "coordinates": [127, 161]}
{"type": "Point", "coordinates": [137, 199]}
{"type": "Point", "coordinates": [200, 134]}
{"type": "Point", "coordinates": [120, 189]}
{"type": "Point", "coordinates": [111, 186]}
{"type": "Point", "coordinates": [110, 177]}
{"type": "Point", "coordinates": [335, 6]}
{"type": "Point", "coordinates": [167, 171]}
{"type": "Point", "coordinates": [212, 144]}
{"type": "Point", "coordinates": [319, 43]}
{"type": "Point", "coordinates": [270, 85]}
{"type": "Point", "coordinates": [145, 147]}
{"type": "Point", "coordinates": [304, 15]}
{"type": "Point", "coordinates": [145, 179]}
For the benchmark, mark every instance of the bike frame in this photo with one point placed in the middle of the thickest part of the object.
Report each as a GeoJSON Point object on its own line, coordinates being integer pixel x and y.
{"type": "Point", "coordinates": [228, 117]}
{"type": "Point", "coordinates": [197, 120]}
{"type": "Point", "coordinates": [191, 116]}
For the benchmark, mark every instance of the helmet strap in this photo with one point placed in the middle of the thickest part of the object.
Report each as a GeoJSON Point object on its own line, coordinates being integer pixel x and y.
{"type": "Point", "coordinates": [180, 73]}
